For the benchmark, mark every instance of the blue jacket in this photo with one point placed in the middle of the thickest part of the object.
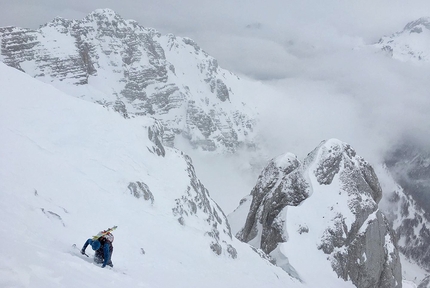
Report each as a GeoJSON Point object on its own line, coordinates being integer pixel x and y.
{"type": "Point", "coordinates": [103, 252]}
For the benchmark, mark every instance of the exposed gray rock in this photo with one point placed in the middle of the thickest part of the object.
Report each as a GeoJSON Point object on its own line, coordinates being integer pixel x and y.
{"type": "Point", "coordinates": [425, 283]}
{"type": "Point", "coordinates": [411, 225]}
{"type": "Point", "coordinates": [220, 88]}
{"type": "Point", "coordinates": [360, 244]}
{"type": "Point", "coordinates": [141, 190]}
{"type": "Point", "coordinates": [280, 184]}
{"type": "Point", "coordinates": [53, 215]}
{"type": "Point", "coordinates": [120, 107]}
{"type": "Point", "coordinates": [155, 134]}
{"type": "Point", "coordinates": [370, 260]}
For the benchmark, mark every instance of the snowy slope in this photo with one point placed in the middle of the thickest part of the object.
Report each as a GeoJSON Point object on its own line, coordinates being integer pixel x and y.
{"type": "Point", "coordinates": [65, 169]}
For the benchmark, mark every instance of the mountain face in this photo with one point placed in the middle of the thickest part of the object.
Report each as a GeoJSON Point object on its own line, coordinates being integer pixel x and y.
{"type": "Point", "coordinates": [410, 44]}
{"type": "Point", "coordinates": [327, 203]}
{"type": "Point", "coordinates": [411, 225]}
{"type": "Point", "coordinates": [410, 166]}
{"type": "Point", "coordinates": [136, 71]}
{"type": "Point", "coordinates": [409, 201]}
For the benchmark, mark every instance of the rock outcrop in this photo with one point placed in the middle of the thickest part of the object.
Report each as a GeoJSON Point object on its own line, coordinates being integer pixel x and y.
{"type": "Point", "coordinates": [327, 203]}
{"type": "Point", "coordinates": [280, 184]}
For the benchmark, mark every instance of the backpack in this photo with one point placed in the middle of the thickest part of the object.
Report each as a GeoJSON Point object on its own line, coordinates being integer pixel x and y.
{"type": "Point", "coordinates": [109, 237]}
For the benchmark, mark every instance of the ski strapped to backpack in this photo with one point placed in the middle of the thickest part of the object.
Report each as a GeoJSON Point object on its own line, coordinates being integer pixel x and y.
{"type": "Point", "coordinates": [104, 233]}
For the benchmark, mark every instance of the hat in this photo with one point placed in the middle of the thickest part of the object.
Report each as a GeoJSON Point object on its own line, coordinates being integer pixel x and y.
{"type": "Point", "coordinates": [96, 245]}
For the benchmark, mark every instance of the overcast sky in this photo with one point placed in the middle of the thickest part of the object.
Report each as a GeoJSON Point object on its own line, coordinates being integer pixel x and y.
{"type": "Point", "coordinates": [306, 48]}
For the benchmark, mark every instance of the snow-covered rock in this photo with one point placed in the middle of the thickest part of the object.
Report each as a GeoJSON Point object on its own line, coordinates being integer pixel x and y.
{"type": "Point", "coordinates": [135, 71]}
{"type": "Point", "coordinates": [410, 44]}
{"type": "Point", "coordinates": [327, 207]}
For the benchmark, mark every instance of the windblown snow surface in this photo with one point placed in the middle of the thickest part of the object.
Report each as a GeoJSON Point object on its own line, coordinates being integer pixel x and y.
{"type": "Point", "coordinates": [64, 170]}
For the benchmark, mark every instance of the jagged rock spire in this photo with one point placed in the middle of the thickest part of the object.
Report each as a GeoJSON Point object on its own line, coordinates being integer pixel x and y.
{"type": "Point", "coordinates": [326, 204]}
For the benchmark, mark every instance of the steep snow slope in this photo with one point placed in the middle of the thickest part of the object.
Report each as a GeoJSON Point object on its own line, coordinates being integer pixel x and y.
{"type": "Point", "coordinates": [69, 168]}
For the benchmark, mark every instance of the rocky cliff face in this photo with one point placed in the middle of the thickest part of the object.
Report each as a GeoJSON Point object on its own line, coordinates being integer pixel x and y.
{"type": "Point", "coordinates": [409, 201]}
{"type": "Point", "coordinates": [412, 227]}
{"type": "Point", "coordinates": [280, 184]}
{"type": "Point", "coordinates": [327, 203]}
{"type": "Point", "coordinates": [410, 44]}
{"type": "Point", "coordinates": [136, 71]}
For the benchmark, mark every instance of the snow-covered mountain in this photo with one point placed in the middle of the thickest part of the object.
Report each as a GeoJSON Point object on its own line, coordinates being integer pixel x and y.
{"type": "Point", "coordinates": [70, 168]}
{"type": "Point", "coordinates": [137, 71]}
{"type": "Point", "coordinates": [410, 44]}
{"type": "Point", "coordinates": [326, 206]}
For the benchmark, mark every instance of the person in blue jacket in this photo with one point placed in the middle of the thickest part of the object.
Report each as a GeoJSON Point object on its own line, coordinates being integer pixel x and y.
{"type": "Point", "coordinates": [104, 249]}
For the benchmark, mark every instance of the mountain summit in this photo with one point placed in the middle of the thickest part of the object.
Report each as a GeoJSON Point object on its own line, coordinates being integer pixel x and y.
{"type": "Point", "coordinates": [136, 71]}
{"type": "Point", "coordinates": [325, 206]}
{"type": "Point", "coordinates": [410, 44]}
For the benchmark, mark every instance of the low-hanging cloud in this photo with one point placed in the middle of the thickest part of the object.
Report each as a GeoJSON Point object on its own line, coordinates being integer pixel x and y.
{"type": "Point", "coordinates": [361, 96]}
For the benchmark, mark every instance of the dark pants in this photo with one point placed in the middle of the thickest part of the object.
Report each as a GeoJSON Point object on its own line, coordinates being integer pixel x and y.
{"type": "Point", "coordinates": [99, 257]}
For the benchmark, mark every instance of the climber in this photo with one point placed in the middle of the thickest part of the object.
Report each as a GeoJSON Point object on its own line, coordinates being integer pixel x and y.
{"type": "Point", "coordinates": [103, 247]}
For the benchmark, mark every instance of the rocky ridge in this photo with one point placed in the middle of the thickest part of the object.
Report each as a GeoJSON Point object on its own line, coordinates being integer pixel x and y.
{"type": "Point", "coordinates": [136, 71]}
{"type": "Point", "coordinates": [194, 208]}
{"type": "Point", "coordinates": [327, 202]}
